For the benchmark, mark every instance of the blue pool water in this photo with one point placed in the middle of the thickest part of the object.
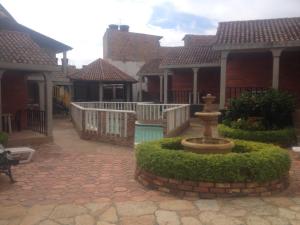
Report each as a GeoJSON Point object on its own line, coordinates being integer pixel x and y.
{"type": "Point", "coordinates": [145, 132]}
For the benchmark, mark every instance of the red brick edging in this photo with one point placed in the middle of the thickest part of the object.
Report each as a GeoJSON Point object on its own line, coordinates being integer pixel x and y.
{"type": "Point", "coordinates": [209, 189]}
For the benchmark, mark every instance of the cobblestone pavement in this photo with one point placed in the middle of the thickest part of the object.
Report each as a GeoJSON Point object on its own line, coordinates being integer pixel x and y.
{"type": "Point", "coordinates": [79, 182]}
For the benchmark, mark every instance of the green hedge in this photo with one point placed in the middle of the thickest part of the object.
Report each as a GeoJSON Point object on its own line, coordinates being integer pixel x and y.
{"type": "Point", "coordinates": [249, 161]}
{"type": "Point", "coordinates": [283, 137]}
{"type": "Point", "coordinates": [3, 138]}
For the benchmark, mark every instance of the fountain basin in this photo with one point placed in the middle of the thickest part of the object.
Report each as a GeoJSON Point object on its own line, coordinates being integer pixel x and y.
{"type": "Point", "coordinates": [207, 145]}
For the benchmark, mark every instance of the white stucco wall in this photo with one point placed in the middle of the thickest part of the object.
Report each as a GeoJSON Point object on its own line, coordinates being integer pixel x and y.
{"type": "Point", "coordinates": [131, 68]}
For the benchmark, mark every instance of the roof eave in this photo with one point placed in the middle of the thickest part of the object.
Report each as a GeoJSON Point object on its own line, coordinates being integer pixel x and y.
{"type": "Point", "coordinates": [220, 47]}
{"type": "Point", "coordinates": [190, 66]}
{"type": "Point", "coordinates": [29, 67]}
{"type": "Point", "coordinates": [150, 74]}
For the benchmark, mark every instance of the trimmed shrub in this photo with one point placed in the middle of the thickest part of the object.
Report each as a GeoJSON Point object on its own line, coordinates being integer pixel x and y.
{"type": "Point", "coordinates": [274, 107]}
{"type": "Point", "coordinates": [249, 162]}
{"type": "Point", "coordinates": [3, 138]}
{"type": "Point", "coordinates": [284, 137]}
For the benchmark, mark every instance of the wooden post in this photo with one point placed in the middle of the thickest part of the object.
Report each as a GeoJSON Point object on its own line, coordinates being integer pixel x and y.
{"type": "Point", "coordinates": [195, 84]}
{"type": "Point", "coordinates": [140, 88]}
{"type": "Point", "coordinates": [1, 75]}
{"type": "Point", "coordinates": [100, 91]}
{"type": "Point", "coordinates": [161, 88]}
{"type": "Point", "coordinates": [166, 86]}
{"type": "Point", "coordinates": [49, 104]}
{"type": "Point", "coordinates": [224, 56]}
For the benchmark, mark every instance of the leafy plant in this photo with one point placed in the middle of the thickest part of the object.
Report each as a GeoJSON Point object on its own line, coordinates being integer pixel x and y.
{"type": "Point", "coordinates": [273, 106]}
{"type": "Point", "coordinates": [282, 137]}
{"type": "Point", "coordinates": [249, 161]}
{"type": "Point", "coordinates": [3, 138]}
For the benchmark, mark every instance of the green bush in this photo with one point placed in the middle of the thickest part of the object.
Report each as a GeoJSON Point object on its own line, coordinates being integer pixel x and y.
{"type": "Point", "coordinates": [283, 137]}
{"type": "Point", "coordinates": [249, 161]}
{"type": "Point", "coordinates": [3, 138]}
{"type": "Point", "coordinates": [272, 106]}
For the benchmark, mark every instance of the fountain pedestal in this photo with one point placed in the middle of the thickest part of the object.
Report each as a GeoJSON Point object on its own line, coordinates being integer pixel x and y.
{"type": "Point", "coordinates": [207, 144]}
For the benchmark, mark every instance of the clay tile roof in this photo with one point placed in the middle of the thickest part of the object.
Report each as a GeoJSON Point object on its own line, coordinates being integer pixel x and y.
{"type": "Point", "coordinates": [151, 68]}
{"type": "Point", "coordinates": [130, 46]}
{"type": "Point", "coordinates": [101, 70]}
{"type": "Point", "coordinates": [273, 32]}
{"type": "Point", "coordinates": [189, 56]}
{"type": "Point", "coordinates": [16, 47]}
{"type": "Point", "coordinates": [198, 40]}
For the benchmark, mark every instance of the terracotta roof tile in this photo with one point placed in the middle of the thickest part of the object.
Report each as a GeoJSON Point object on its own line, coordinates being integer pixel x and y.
{"type": "Point", "coordinates": [151, 68]}
{"type": "Point", "coordinates": [199, 40]}
{"type": "Point", "coordinates": [101, 70]}
{"type": "Point", "coordinates": [16, 47]}
{"type": "Point", "coordinates": [259, 32]}
{"type": "Point", "coordinates": [191, 56]}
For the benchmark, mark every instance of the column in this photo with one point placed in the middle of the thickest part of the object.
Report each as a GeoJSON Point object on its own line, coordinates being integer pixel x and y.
{"type": "Point", "coordinates": [224, 56]}
{"type": "Point", "coordinates": [114, 92]}
{"type": "Point", "coordinates": [49, 104]}
{"type": "Point", "coordinates": [41, 85]}
{"type": "Point", "coordinates": [276, 61]}
{"type": "Point", "coordinates": [166, 86]}
{"type": "Point", "coordinates": [195, 85]}
{"type": "Point", "coordinates": [1, 75]}
{"type": "Point", "coordinates": [140, 88]}
{"type": "Point", "coordinates": [128, 91]}
{"type": "Point", "coordinates": [100, 92]}
{"type": "Point", "coordinates": [161, 88]}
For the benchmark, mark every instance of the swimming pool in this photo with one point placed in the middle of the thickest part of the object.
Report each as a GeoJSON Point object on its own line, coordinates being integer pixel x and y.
{"type": "Point", "coordinates": [147, 132]}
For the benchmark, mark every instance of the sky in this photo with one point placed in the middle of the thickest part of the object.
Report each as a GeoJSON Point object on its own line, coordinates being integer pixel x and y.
{"type": "Point", "coordinates": [81, 24]}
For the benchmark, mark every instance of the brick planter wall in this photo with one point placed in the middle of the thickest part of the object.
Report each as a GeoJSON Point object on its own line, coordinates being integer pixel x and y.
{"type": "Point", "coordinates": [209, 189]}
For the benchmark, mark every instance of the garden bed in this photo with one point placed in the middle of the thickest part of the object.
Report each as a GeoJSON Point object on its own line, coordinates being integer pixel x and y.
{"type": "Point", "coordinates": [252, 169]}
{"type": "Point", "coordinates": [283, 137]}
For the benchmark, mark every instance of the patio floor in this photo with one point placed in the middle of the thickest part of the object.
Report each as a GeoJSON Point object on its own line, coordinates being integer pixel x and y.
{"type": "Point", "coordinates": [73, 181]}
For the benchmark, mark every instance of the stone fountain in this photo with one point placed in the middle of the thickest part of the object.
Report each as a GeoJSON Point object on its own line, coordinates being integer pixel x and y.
{"type": "Point", "coordinates": [207, 144]}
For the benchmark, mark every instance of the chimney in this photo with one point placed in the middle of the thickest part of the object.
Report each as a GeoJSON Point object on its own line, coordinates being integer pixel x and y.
{"type": "Point", "coordinates": [113, 27]}
{"type": "Point", "coordinates": [124, 28]}
{"type": "Point", "coordinates": [64, 63]}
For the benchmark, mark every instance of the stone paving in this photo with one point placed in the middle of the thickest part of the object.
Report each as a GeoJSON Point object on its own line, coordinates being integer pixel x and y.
{"type": "Point", "coordinates": [86, 183]}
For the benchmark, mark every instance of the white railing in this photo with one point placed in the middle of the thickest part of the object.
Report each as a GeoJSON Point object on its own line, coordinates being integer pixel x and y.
{"type": "Point", "coordinates": [111, 125]}
{"type": "Point", "coordinates": [176, 117]}
{"type": "Point", "coordinates": [128, 106]}
{"type": "Point", "coordinates": [76, 115]}
{"type": "Point", "coordinates": [152, 112]}
{"type": "Point", "coordinates": [117, 119]}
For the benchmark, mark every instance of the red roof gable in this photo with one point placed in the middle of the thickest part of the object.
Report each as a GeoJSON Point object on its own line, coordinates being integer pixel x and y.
{"type": "Point", "coordinates": [191, 56]}
{"type": "Point", "coordinates": [16, 47]}
{"type": "Point", "coordinates": [281, 32]}
{"type": "Point", "coordinates": [101, 70]}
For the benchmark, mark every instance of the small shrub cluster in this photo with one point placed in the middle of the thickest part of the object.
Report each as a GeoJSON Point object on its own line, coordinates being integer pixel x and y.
{"type": "Point", "coordinates": [272, 109]}
{"type": "Point", "coordinates": [3, 138]}
{"type": "Point", "coordinates": [283, 137]}
{"type": "Point", "coordinates": [249, 162]}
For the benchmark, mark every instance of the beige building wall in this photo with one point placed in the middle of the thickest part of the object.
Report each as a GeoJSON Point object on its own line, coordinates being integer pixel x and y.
{"type": "Point", "coordinates": [131, 68]}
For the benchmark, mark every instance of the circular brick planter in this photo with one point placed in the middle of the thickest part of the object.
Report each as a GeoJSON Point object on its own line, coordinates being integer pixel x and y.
{"type": "Point", "coordinates": [208, 189]}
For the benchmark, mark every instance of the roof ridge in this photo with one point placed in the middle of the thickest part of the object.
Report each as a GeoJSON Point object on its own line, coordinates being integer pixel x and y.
{"type": "Point", "coordinates": [252, 20]}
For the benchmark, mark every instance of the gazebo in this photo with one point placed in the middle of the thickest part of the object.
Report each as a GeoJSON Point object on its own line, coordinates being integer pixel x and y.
{"type": "Point", "coordinates": [101, 81]}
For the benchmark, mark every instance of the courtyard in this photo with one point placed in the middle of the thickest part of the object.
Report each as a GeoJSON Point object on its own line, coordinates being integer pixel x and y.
{"type": "Point", "coordinates": [73, 181]}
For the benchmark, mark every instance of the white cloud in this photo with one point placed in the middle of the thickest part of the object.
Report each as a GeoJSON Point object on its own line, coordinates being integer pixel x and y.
{"type": "Point", "coordinates": [81, 24]}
